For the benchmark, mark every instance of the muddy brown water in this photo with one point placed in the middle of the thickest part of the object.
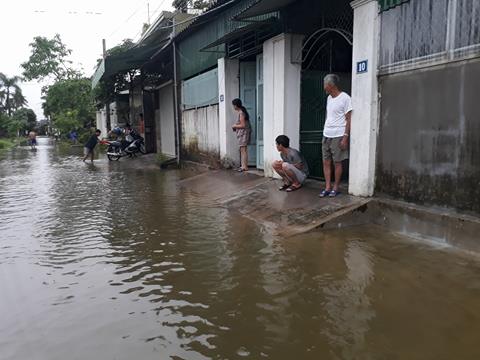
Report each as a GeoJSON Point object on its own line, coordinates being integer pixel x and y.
{"type": "Point", "coordinates": [108, 261]}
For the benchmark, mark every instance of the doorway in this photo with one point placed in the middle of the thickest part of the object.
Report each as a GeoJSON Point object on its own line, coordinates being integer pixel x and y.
{"type": "Point", "coordinates": [149, 122]}
{"type": "Point", "coordinates": [325, 51]}
{"type": "Point", "coordinates": [251, 94]}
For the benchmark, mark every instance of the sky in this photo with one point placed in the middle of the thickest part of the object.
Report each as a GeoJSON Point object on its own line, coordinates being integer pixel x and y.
{"type": "Point", "coordinates": [81, 24]}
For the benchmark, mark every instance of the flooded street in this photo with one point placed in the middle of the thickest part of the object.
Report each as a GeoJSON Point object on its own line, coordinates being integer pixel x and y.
{"type": "Point", "coordinates": [106, 261]}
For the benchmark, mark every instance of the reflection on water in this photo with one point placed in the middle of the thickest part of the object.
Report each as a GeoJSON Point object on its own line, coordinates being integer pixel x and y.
{"type": "Point", "coordinates": [106, 261]}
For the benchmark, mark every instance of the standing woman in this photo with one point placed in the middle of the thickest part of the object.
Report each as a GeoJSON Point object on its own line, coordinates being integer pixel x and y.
{"type": "Point", "coordinates": [244, 130]}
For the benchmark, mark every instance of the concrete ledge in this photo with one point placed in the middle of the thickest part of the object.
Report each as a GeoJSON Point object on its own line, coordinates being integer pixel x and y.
{"type": "Point", "coordinates": [440, 226]}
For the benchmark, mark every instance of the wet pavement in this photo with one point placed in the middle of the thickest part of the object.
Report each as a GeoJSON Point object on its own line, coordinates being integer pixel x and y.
{"type": "Point", "coordinates": [258, 199]}
{"type": "Point", "coordinates": [114, 261]}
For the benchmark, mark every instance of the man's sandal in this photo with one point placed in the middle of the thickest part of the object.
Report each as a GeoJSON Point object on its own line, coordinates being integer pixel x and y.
{"type": "Point", "coordinates": [333, 193]}
{"type": "Point", "coordinates": [324, 193]}
{"type": "Point", "coordinates": [292, 188]}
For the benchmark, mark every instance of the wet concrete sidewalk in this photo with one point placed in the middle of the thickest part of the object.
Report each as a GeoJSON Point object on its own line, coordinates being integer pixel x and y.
{"type": "Point", "coordinates": [259, 199]}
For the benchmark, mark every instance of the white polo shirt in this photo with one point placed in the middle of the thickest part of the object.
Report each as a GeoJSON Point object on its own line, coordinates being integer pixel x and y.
{"type": "Point", "coordinates": [337, 109]}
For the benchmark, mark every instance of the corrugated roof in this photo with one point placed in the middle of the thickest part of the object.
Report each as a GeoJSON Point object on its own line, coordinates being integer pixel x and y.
{"type": "Point", "coordinates": [207, 14]}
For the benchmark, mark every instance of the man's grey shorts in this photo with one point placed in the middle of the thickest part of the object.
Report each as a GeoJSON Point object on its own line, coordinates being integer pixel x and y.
{"type": "Point", "coordinates": [87, 151]}
{"type": "Point", "coordinates": [331, 149]}
{"type": "Point", "coordinates": [299, 174]}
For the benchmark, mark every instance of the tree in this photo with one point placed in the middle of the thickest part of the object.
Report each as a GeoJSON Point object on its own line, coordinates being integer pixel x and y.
{"type": "Point", "coordinates": [18, 100]}
{"type": "Point", "coordinates": [68, 98]}
{"type": "Point", "coordinates": [10, 94]}
{"type": "Point", "coordinates": [49, 57]}
{"type": "Point", "coordinates": [21, 120]}
{"type": "Point", "coordinates": [67, 121]}
{"type": "Point", "coordinates": [69, 101]}
{"type": "Point", "coordinates": [184, 5]}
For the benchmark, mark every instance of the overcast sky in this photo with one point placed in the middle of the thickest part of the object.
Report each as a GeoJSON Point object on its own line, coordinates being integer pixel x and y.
{"type": "Point", "coordinates": [81, 24]}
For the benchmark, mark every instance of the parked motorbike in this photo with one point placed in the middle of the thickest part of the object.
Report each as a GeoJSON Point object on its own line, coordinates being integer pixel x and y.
{"type": "Point", "coordinates": [130, 147]}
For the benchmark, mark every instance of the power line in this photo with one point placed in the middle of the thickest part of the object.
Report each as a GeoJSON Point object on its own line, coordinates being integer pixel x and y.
{"type": "Point", "coordinates": [128, 19]}
{"type": "Point", "coordinates": [69, 12]}
{"type": "Point", "coordinates": [158, 8]}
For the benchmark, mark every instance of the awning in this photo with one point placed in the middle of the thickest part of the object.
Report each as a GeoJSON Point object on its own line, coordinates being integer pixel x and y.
{"type": "Point", "coordinates": [133, 58]}
{"type": "Point", "coordinates": [239, 32]}
{"type": "Point", "coordinates": [262, 7]}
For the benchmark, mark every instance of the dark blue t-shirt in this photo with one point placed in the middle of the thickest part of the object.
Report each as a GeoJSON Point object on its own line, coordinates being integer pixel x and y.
{"type": "Point", "coordinates": [92, 142]}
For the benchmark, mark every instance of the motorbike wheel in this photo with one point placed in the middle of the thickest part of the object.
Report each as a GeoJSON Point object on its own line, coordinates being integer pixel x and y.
{"type": "Point", "coordinates": [142, 149]}
{"type": "Point", "coordinates": [113, 157]}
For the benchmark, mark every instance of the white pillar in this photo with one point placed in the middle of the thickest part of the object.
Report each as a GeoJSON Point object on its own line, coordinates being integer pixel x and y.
{"type": "Point", "coordinates": [228, 89]}
{"type": "Point", "coordinates": [101, 122]}
{"type": "Point", "coordinates": [364, 130]}
{"type": "Point", "coordinates": [281, 94]}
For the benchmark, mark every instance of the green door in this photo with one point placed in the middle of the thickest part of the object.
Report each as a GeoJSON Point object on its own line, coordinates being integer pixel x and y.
{"type": "Point", "coordinates": [248, 95]}
{"type": "Point", "coordinates": [312, 115]}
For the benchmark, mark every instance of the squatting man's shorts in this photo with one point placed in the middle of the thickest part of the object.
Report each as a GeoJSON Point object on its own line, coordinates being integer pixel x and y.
{"type": "Point", "coordinates": [331, 149]}
{"type": "Point", "coordinates": [301, 177]}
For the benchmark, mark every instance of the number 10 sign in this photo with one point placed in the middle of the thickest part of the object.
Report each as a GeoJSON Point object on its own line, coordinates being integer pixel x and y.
{"type": "Point", "coordinates": [362, 66]}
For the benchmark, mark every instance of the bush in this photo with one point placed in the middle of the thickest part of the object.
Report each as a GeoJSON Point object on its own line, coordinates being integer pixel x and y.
{"type": "Point", "coordinates": [83, 136]}
{"type": "Point", "coordinates": [5, 144]}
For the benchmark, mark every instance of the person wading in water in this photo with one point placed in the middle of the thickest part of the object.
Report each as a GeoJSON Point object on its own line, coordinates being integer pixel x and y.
{"type": "Point", "coordinates": [243, 130]}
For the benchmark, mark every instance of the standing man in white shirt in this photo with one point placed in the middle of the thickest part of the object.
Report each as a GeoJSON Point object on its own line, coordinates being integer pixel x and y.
{"type": "Point", "coordinates": [336, 133]}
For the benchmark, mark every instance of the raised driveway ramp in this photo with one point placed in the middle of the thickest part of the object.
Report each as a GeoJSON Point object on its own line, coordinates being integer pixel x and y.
{"type": "Point", "coordinates": [279, 212]}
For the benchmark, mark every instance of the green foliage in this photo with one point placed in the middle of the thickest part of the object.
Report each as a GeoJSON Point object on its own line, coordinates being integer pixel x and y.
{"type": "Point", "coordinates": [21, 120]}
{"type": "Point", "coordinates": [4, 120]}
{"type": "Point", "coordinates": [6, 144]}
{"type": "Point", "coordinates": [66, 121]}
{"type": "Point", "coordinates": [184, 5]}
{"type": "Point", "coordinates": [69, 101]}
{"type": "Point", "coordinates": [11, 97]}
{"type": "Point", "coordinates": [48, 58]}
{"type": "Point", "coordinates": [84, 135]}
{"type": "Point", "coordinates": [67, 97]}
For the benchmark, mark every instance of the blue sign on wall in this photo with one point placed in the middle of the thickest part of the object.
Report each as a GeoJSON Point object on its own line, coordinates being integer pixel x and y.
{"type": "Point", "coordinates": [362, 66]}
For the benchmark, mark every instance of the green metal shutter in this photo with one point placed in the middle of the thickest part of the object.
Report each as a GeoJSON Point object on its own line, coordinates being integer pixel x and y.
{"type": "Point", "coordinates": [388, 4]}
{"type": "Point", "coordinates": [201, 90]}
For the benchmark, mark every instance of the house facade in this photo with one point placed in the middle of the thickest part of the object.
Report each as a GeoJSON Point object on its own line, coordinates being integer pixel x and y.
{"type": "Point", "coordinates": [411, 67]}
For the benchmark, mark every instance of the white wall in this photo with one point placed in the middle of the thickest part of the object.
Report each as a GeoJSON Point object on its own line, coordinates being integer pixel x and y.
{"type": "Point", "coordinates": [281, 94]}
{"type": "Point", "coordinates": [102, 122]}
{"type": "Point", "coordinates": [166, 118]}
{"type": "Point", "coordinates": [229, 89]}
{"type": "Point", "coordinates": [363, 139]}
{"type": "Point", "coordinates": [200, 131]}
{"type": "Point", "coordinates": [113, 115]}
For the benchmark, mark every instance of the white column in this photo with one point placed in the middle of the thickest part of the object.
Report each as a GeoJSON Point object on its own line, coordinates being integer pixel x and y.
{"type": "Point", "coordinates": [281, 94]}
{"type": "Point", "coordinates": [228, 89]}
{"type": "Point", "coordinates": [101, 122]}
{"type": "Point", "coordinates": [364, 130]}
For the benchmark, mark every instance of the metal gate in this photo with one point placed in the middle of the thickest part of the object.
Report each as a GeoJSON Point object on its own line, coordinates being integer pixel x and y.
{"type": "Point", "coordinates": [326, 51]}
{"type": "Point", "coordinates": [312, 115]}
{"type": "Point", "coordinates": [149, 122]}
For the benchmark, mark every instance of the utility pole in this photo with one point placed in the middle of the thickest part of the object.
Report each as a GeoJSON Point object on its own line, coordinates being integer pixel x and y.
{"type": "Point", "coordinates": [107, 105]}
{"type": "Point", "coordinates": [148, 12]}
{"type": "Point", "coordinates": [176, 109]}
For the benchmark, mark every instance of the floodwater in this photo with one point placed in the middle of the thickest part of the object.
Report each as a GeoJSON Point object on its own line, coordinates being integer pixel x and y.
{"type": "Point", "coordinates": [107, 261]}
